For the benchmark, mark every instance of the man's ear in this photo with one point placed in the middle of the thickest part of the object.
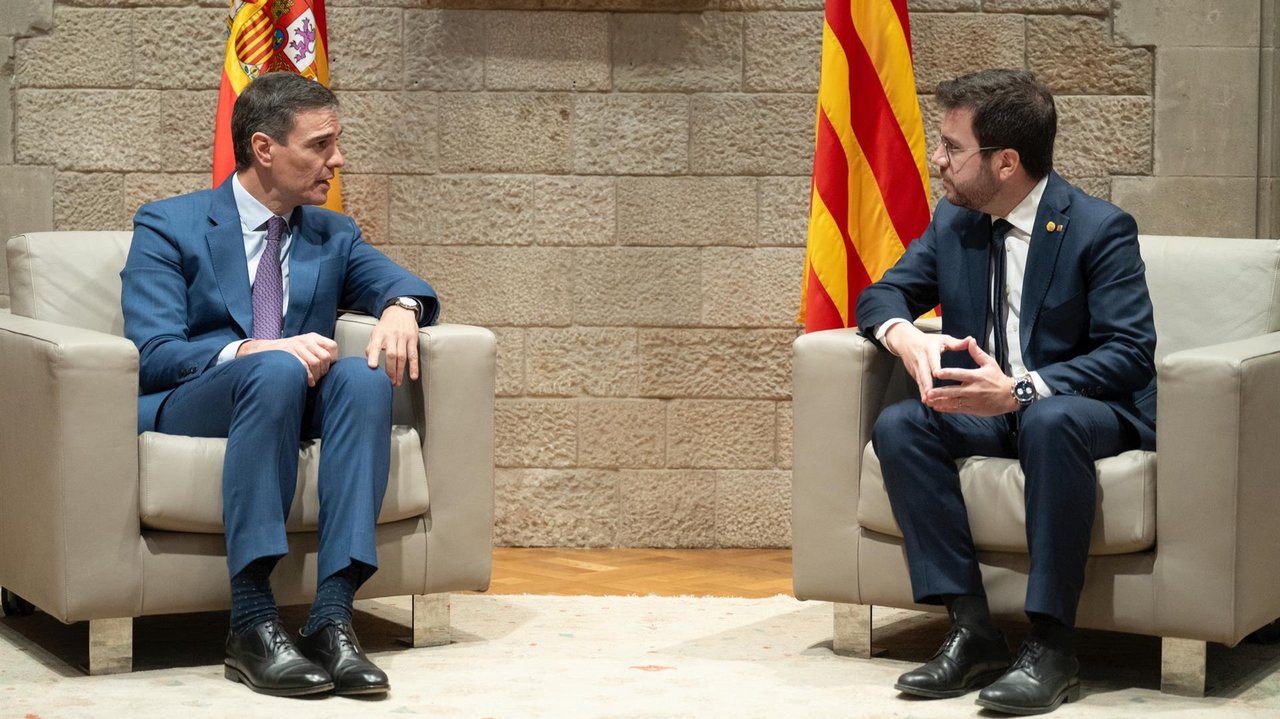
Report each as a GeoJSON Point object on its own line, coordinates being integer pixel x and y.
{"type": "Point", "coordinates": [1007, 163]}
{"type": "Point", "coordinates": [261, 145]}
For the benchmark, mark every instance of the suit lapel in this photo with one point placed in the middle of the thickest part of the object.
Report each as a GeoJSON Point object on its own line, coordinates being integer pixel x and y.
{"type": "Point", "coordinates": [1042, 257]}
{"type": "Point", "coordinates": [304, 270]}
{"type": "Point", "coordinates": [226, 249]}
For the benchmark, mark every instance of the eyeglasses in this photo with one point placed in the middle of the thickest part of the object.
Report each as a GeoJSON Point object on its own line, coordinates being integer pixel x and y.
{"type": "Point", "coordinates": [950, 151]}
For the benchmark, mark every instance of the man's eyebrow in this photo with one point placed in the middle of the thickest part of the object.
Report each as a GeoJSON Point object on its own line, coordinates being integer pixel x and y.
{"type": "Point", "coordinates": [319, 137]}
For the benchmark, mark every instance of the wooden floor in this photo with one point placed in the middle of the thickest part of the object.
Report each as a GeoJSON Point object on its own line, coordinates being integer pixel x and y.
{"type": "Point", "coordinates": [665, 572]}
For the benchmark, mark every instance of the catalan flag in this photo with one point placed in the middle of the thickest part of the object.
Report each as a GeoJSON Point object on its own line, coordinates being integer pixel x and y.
{"type": "Point", "coordinates": [269, 36]}
{"type": "Point", "coordinates": [870, 192]}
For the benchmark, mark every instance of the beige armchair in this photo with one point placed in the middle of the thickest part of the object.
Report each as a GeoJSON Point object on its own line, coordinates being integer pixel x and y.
{"type": "Point", "coordinates": [1185, 540]}
{"type": "Point", "coordinates": [100, 524]}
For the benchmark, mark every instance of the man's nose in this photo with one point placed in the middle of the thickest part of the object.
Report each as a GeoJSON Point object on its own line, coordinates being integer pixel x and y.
{"type": "Point", "coordinates": [939, 156]}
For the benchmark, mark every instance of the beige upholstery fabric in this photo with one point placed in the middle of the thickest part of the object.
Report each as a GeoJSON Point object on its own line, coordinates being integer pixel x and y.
{"type": "Point", "coordinates": [83, 498]}
{"type": "Point", "coordinates": [69, 278]}
{"type": "Point", "coordinates": [1126, 510]}
{"type": "Point", "coordinates": [1241, 278]}
{"type": "Point", "coordinates": [1184, 542]}
{"type": "Point", "coordinates": [180, 483]}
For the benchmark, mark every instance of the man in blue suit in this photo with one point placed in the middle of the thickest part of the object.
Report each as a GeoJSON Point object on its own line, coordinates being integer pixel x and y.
{"type": "Point", "coordinates": [1046, 355]}
{"type": "Point", "coordinates": [232, 297]}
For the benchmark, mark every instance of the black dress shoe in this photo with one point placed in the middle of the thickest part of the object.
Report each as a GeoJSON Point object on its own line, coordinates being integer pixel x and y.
{"type": "Point", "coordinates": [336, 648]}
{"type": "Point", "coordinates": [964, 662]}
{"type": "Point", "coordinates": [1040, 680]}
{"type": "Point", "coordinates": [264, 658]}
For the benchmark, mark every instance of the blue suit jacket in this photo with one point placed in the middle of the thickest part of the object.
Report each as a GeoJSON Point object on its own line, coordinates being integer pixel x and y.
{"type": "Point", "coordinates": [186, 294]}
{"type": "Point", "coordinates": [1086, 321]}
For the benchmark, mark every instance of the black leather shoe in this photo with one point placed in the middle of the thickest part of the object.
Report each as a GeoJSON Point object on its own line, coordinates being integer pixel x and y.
{"type": "Point", "coordinates": [336, 648]}
{"type": "Point", "coordinates": [1040, 680]}
{"type": "Point", "coordinates": [264, 658]}
{"type": "Point", "coordinates": [964, 662]}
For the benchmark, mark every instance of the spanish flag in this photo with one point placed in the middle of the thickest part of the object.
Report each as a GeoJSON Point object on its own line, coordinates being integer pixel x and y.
{"type": "Point", "coordinates": [269, 36]}
{"type": "Point", "coordinates": [870, 192]}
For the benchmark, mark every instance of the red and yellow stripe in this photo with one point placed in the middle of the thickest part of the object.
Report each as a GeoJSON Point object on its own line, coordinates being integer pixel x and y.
{"type": "Point", "coordinates": [251, 50]}
{"type": "Point", "coordinates": [870, 182]}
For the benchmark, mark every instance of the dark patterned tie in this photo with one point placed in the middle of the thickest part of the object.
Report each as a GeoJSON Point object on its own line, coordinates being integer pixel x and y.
{"type": "Point", "coordinates": [999, 229]}
{"type": "Point", "coordinates": [268, 285]}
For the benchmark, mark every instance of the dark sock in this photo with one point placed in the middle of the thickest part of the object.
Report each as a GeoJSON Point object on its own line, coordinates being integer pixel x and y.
{"type": "Point", "coordinates": [971, 612]}
{"type": "Point", "coordinates": [334, 597]}
{"type": "Point", "coordinates": [1053, 633]}
{"type": "Point", "coordinates": [251, 599]}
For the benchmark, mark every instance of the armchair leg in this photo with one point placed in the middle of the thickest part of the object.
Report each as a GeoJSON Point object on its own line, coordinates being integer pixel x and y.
{"type": "Point", "coordinates": [111, 646]}
{"type": "Point", "coordinates": [431, 620]}
{"type": "Point", "coordinates": [1182, 666]}
{"type": "Point", "coordinates": [852, 630]}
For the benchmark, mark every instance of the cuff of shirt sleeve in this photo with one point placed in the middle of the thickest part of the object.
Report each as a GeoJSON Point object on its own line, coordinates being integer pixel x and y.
{"type": "Point", "coordinates": [228, 353]}
{"type": "Point", "coordinates": [883, 328]}
{"type": "Point", "coordinates": [1042, 389]}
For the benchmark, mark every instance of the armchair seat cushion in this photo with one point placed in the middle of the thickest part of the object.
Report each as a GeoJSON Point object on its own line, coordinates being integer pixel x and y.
{"type": "Point", "coordinates": [1125, 521]}
{"type": "Point", "coordinates": [180, 483]}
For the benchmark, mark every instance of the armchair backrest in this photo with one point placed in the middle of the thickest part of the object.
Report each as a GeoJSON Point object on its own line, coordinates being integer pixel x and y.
{"type": "Point", "coordinates": [1210, 290]}
{"type": "Point", "coordinates": [70, 278]}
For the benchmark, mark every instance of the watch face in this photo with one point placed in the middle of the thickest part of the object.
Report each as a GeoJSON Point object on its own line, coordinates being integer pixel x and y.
{"type": "Point", "coordinates": [1024, 390]}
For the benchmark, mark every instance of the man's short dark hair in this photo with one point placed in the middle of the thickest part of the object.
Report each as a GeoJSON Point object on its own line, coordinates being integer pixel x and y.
{"type": "Point", "coordinates": [268, 105]}
{"type": "Point", "coordinates": [1011, 109]}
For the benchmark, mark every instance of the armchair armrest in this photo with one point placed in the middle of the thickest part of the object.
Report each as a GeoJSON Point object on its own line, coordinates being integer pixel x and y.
{"type": "Point", "coordinates": [69, 532]}
{"type": "Point", "coordinates": [452, 408]}
{"type": "Point", "coordinates": [1218, 483]}
{"type": "Point", "coordinates": [840, 382]}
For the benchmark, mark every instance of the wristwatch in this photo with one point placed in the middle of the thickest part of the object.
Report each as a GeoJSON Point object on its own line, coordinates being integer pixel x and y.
{"type": "Point", "coordinates": [1024, 390]}
{"type": "Point", "coordinates": [408, 303]}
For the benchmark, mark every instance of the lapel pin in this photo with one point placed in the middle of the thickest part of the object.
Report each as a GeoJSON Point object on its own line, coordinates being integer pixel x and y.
{"type": "Point", "coordinates": [1051, 226]}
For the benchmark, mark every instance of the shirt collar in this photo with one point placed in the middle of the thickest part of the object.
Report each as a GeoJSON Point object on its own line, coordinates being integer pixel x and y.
{"type": "Point", "coordinates": [1023, 215]}
{"type": "Point", "coordinates": [253, 214]}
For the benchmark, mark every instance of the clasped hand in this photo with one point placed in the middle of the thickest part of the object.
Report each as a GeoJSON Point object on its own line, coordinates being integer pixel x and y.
{"type": "Point", "coordinates": [396, 335]}
{"type": "Point", "coordinates": [984, 391]}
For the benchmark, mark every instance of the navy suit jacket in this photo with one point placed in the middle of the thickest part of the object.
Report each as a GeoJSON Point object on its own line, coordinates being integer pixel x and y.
{"type": "Point", "coordinates": [185, 286]}
{"type": "Point", "coordinates": [1086, 320]}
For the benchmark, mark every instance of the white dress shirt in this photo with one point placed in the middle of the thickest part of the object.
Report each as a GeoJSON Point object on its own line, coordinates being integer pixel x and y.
{"type": "Point", "coordinates": [253, 227]}
{"type": "Point", "coordinates": [1017, 243]}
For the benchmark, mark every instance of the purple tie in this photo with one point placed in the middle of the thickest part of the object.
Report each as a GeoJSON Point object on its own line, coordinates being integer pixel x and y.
{"type": "Point", "coordinates": [268, 286]}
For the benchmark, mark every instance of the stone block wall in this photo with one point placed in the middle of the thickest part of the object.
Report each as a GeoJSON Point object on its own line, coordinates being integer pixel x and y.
{"type": "Point", "coordinates": [1216, 121]}
{"type": "Point", "coordinates": [619, 188]}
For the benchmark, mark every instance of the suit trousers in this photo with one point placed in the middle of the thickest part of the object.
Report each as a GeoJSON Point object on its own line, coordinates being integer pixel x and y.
{"type": "Point", "coordinates": [1055, 440]}
{"type": "Point", "coordinates": [261, 403]}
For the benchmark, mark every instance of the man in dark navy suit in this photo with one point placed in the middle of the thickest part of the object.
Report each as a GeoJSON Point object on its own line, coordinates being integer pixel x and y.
{"type": "Point", "coordinates": [232, 297]}
{"type": "Point", "coordinates": [1046, 355]}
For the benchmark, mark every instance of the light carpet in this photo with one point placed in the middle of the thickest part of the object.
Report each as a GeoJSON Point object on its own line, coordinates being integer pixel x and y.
{"type": "Point", "coordinates": [540, 656]}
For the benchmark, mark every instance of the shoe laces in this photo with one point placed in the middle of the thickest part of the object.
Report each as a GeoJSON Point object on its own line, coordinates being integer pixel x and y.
{"type": "Point", "coordinates": [277, 637]}
{"type": "Point", "coordinates": [952, 638]}
{"type": "Point", "coordinates": [344, 637]}
{"type": "Point", "coordinates": [1030, 653]}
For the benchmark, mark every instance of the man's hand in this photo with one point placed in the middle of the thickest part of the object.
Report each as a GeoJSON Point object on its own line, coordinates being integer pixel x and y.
{"type": "Point", "coordinates": [315, 352]}
{"type": "Point", "coordinates": [921, 352]}
{"type": "Point", "coordinates": [396, 334]}
{"type": "Point", "coordinates": [986, 391]}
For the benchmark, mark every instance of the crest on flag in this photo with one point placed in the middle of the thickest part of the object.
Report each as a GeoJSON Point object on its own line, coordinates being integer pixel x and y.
{"type": "Point", "coordinates": [301, 41]}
